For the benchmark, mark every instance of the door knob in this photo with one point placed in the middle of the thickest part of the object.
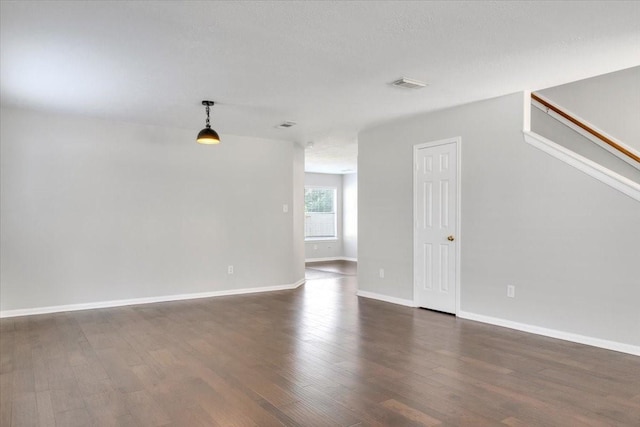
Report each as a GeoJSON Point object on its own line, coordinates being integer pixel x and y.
{"type": "Point", "coordinates": [450, 238]}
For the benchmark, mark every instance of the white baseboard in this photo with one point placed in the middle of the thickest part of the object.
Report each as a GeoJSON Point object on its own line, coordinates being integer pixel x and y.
{"type": "Point", "coordinates": [553, 333]}
{"type": "Point", "coordinates": [386, 298]}
{"type": "Point", "coordinates": [148, 300]}
{"type": "Point", "coordinates": [334, 258]}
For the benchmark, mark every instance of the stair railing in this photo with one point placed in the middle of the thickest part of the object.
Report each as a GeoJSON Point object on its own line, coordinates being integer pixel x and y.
{"type": "Point", "coordinates": [605, 139]}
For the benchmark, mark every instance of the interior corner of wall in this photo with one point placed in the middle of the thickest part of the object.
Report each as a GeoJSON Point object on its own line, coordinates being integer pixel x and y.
{"type": "Point", "coordinates": [526, 112]}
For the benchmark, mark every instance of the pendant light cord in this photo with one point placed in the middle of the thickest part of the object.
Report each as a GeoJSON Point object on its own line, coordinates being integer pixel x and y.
{"type": "Point", "coordinates": [208, 125]}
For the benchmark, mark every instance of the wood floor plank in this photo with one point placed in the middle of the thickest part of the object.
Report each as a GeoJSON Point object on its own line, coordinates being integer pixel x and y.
{"type": "Point", "coordinates": [145, 409]}
{"type": "Point", "coordinates": [410, 413]}
{"type": "Point", "coordinates": [314, 356]}
{"type": "Point", "coordinates": [306, 414]}
{"type": "Point", "coordinates": [513, 422]}
{"type": "Point", "coordinates": [6, 398]}
{"type": "Point", "coordinates": [222, 411]}
{"type": "Point", "coordinates": [23, 381]}
{"type": "Point", "coordinates": [7, 341]}
{"type": "Point", "coordinates": [73, 418]}
{"type": "Point", "coordinates": [24, 411]}
{"type": "Point", "coordinates": [459, 403]}
{"type": "Point", "coordinates": [236, 397]}
{"type": "Point", "coordinates": [46, 416]}
{"type": "Point", "coordinates": [67, 399]}
{"type": "Point", "coordinates": [109, 404]}
{"type": "Point", "coordinates": [193, 416]}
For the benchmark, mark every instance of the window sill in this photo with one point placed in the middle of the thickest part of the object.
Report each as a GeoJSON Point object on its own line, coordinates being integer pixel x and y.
{"type": "Point", "coordinates": [321, 239]}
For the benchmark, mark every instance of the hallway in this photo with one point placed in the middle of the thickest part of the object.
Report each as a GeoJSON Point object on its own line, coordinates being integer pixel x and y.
{"type": "Point", "coordinates": [330, 269]}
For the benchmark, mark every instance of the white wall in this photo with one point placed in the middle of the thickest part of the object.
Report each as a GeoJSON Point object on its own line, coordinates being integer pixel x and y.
{"type": "Point", "coordinates": [569, 243]}
{"type": "Point", "coordinates": [97, 210]}
{"type": "Point", "coordinates": [298, 211]}
{"type": "Point", "coordinates": [321, 249]}
{"type": "Point", "coordinates": [610, 102]}
{"type": "Point", "coordinates": [350, 216]}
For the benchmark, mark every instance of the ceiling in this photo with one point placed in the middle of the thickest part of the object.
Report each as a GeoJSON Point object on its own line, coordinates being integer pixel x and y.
{"type": "Point", "coordinates": [325, 65]}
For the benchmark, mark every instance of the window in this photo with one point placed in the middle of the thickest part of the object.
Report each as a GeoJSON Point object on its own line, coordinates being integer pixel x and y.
{"type": "Point", "coordinates": [320, 213]}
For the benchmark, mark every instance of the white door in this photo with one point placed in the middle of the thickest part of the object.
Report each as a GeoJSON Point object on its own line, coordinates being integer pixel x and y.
{"type": "Point", "coordinates": [435, 221]}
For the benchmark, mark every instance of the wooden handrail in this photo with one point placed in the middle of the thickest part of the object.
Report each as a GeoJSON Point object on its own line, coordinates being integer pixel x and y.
{"type": "Point", "coordinates": [586, 128]}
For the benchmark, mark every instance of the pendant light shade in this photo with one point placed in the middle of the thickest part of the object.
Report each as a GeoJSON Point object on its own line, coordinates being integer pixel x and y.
{"type": "Point", "coordinates": [207, 135]}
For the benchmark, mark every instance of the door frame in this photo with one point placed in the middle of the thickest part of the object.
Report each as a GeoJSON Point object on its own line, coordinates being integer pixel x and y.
{"type": "Point", "coordinates": [458, 142]}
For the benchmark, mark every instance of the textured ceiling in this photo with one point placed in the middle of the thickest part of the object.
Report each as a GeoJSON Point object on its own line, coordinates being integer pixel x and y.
{"type": "Point", "coordinates": [325, 65]}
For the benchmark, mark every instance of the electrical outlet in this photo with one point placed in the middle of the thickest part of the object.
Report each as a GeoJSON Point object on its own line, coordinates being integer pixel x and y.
{"type": "Point", "coordinates": [382, 273]}
{"type": "Point", "coordinates": [285, 208]}
{"type": "Point", "coordinates": [511, 291]}
{"type": "Point", "coordinates": [230, 269]}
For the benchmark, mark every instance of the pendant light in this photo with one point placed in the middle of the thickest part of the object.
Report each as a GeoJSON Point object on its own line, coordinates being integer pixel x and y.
{"type": "Point", "coordinates": [207, 135]}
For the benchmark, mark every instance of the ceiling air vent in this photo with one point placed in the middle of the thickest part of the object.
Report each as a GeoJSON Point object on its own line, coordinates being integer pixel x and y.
{"type": "Point", "coordinates": [408, 83]}
{"type": "Point", "coordinates": [286, 125]}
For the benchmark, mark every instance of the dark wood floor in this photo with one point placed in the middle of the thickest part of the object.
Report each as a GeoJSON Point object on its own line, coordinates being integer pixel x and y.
{"type": "Point", "coordinates": [314, 356]}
